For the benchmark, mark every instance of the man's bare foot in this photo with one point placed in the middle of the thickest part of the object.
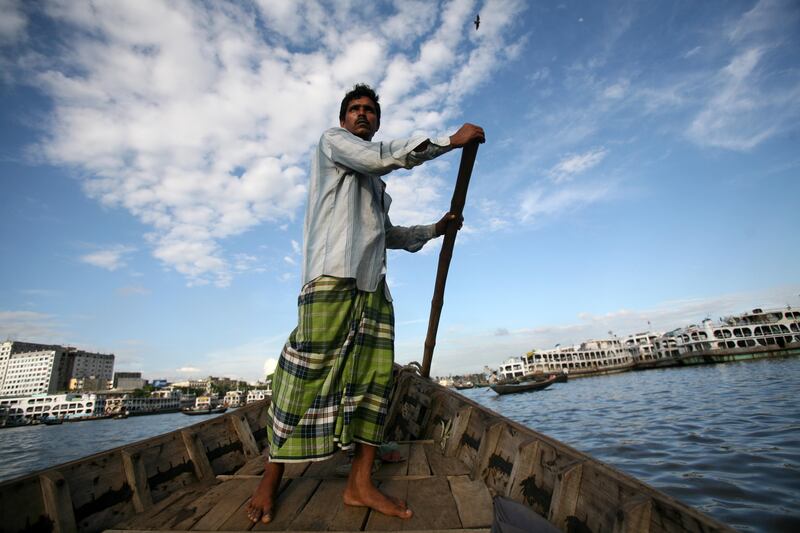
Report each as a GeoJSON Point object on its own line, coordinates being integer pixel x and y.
{"type": "Point", "coordinates": [376, 500]}
{"type": "Point", "coordinates": [260, 506]}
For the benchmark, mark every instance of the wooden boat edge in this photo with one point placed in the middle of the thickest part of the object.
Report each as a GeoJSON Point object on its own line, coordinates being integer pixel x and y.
{"type": "Point", "coordinates": [485, 441]}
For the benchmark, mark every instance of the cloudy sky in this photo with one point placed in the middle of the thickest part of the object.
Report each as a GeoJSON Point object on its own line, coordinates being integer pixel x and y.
{"type": "Point", "coordinates": [642, 166]}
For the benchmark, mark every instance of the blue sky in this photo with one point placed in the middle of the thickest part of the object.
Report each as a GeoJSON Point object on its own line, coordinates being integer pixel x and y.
{"type": "Point", "coordinates": [642, 164]}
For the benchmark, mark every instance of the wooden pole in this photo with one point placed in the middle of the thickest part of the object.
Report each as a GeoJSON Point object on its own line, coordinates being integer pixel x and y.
{"type": "Point", "coordinates": [468, 154]}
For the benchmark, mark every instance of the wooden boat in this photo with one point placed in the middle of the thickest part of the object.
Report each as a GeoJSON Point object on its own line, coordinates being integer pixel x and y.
{"type": "Point", "coordinates": [460, 455]}
{"type": "Point", "coordinates": [463, 385]}
{"type": "Point", "coordinates": [209, 411]}
{"type": "Point", "coordinates": [512, 387]}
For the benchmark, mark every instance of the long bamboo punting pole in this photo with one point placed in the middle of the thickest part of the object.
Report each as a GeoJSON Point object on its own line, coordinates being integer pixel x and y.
{"type": "Point", "coordinates": [468, 154]}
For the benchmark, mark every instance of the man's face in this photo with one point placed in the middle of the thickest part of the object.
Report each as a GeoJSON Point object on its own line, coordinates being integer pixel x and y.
{"type": "Point", "coordinates": [361, 118]}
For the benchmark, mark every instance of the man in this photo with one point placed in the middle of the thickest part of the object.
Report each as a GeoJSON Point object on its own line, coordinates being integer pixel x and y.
{"type": "Point", "coordinates": [332, 384]}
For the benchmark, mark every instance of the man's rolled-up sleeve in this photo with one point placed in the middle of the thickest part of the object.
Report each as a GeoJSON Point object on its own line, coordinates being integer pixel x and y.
{"type": "Point", "coordinates": [411, 238]}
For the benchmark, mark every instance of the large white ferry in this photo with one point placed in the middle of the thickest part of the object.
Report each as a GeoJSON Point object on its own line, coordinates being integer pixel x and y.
{"type": "Point", "coordinates": [754, 335]}
{"type": "Point", "coordinates": [592, 357]}
{"type": "Point", "coordinates": [759, 333]}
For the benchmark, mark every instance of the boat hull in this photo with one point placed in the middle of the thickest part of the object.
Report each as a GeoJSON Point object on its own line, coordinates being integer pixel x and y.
{"type": "Point", "coordinates": [199, 476]}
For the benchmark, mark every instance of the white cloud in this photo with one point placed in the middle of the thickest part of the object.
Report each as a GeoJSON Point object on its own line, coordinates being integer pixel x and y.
{"type": "Point", "coordinates": [742, 112]}
{"type": "Point", "coordinates": [188, 370]}
{"type": "Point", "coordinates": [133, 291]}
{"type": "Point", "coordinates": [110, 259]}
{"type": "Point", "coordinates": [30, 326]}
{"type": "Point", "coordinates": [752, 98]}
{"type": "Point", "coordinates": [13, 23]}
{"type": "Point", "coordinates": [538, 201]}
{"type": "Point", "coordinates": [199, 123]}
{"type": "Point", "coordinates": [576, 164]}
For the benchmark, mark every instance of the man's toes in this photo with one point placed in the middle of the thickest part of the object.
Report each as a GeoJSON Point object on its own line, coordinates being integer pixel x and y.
{"type": "Point", "coordinates": [266, 518]}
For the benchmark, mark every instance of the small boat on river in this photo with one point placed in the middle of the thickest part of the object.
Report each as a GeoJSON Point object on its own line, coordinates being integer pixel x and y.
{"type": "Point", "coordinates": [511, 387]}
{"type": "Point", "coordinates": [204, 411]}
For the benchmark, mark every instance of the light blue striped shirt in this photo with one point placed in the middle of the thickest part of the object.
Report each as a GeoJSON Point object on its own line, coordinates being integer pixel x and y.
{"type": "Point", "coordinates": [347, 227]}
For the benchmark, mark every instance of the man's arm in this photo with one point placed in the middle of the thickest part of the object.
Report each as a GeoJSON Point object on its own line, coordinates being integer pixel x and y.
{"type": "Point", "coordinates": [379, 158]}
{"type": "Point", "coordinates": [413, 238]}
{"type": "Point", "coordinates": [373, 158]}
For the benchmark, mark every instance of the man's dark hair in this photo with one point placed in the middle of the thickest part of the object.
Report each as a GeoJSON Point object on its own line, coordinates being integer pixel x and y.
{"type": "Point", "coordinates": [359, 90]}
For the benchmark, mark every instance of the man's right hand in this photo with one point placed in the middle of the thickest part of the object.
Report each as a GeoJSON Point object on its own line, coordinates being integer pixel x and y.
{"type": "Point", "coordinates": [466, 134]}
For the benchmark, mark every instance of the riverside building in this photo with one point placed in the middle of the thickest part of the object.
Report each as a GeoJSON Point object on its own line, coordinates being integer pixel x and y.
{"type": "Point", "coordinates": [29, 368]}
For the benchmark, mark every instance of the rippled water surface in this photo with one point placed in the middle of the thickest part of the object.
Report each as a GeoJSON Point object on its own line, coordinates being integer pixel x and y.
{"type": "Point", "coordinates": [29, 448]}
{"type": "Point", "coordinates": [722, 438]}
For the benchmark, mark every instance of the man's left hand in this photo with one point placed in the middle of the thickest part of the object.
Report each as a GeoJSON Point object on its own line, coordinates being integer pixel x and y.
{"type": "Point", "coordinates": [441, 226]}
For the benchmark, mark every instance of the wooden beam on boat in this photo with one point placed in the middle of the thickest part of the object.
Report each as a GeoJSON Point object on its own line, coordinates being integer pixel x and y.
{"type": "Point", "coordinates": [473, 501]}
{"type": "Point", "coordinates": [137, 480]}
{"type": "Point", "coordinates": [242, 428]}
{"type": "Point", "coordinates": [635, 517]}
{"type": "Point", "coordinates": [58, 502]}
{"type": "Point", "coordinates": [488, 443]}
{"type": "Point", "coordinates": [458, 425]}
{"type": "Point", "coordinates": [202, 466]}
{"type": "Point", "coordinates": [565, 496]}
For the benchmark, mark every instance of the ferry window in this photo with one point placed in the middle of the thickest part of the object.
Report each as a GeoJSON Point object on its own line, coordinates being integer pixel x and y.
{"type": "Point", "coordinates": [717, 334]}
{"type": "Point", "coordinates": [742, 344]}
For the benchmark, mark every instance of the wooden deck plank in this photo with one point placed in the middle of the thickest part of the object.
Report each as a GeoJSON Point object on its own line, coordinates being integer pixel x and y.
{"type": "Point", "coordinates": [418, 461]}
{"type": "Point", "coordinates": [395, 469]}
{"type": "Point", "coordinates": [348, 518]}
{"type": "Point", "coordinates": [194, 510]}
{"type": "Point", "coordinates": [253, 467]}
{"type": "Point", "coordinates": [433, 505]}
{"type": "Point", "coordinates": [381, 522]}
{"type": "Point", "coordinates": [327, 468]}
{"type": "Point", "coordinates": [163, 510]}
{"type": "Point", "coordinates": [291, 502]}
{"type": "Point", "coordinates": [320, 509]}
{"type": "Point", "coordinates": [236, 494]}
{"type": "Point", "coordinates": [441, 465]}
{"type": "Point", "coordinates": [473, 501]}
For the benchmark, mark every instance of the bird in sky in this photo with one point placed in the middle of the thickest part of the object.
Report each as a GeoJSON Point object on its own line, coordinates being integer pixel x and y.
{"type": "Point", "coordinates": [477, 22]}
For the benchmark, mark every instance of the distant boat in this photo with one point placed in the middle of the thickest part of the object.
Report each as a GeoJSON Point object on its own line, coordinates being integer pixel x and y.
{"type": "Point", "coordinates": [52, 421]}
{"type": "Point", "coordinates": [523, 386]}
{"type": "Point", "coordinates": [461, 385]}
{"type": "Point", "coordinates": [209, 411]}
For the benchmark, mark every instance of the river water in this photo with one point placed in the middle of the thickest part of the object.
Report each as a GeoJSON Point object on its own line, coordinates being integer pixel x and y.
{"type": "Point", "coordinates": [722, 438]}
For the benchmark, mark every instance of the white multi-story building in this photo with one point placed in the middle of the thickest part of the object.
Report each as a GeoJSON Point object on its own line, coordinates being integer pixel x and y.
{"type": "Point", "coordinates": [233, 398]}
{"type": "Point", "coordinates": [256, 395]}
{"type": "Point", "coordinates": [32, 373]}
{"type": "Point", "coordinates": [30, 368]}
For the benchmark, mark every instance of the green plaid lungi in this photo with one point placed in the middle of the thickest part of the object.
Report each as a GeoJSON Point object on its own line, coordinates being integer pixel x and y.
{"type": "Point", "coordinates": [332, 384]}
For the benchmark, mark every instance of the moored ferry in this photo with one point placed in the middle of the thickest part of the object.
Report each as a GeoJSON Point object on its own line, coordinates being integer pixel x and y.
{"type": "Point", "coordinates": [589, 358]}
{"type": "Point", "coordinates": [754, 335]}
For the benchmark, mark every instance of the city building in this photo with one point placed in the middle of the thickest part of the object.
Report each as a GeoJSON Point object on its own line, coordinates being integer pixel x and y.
{"type": "Point", "coordinates": [128, 381]}
{"type": "Point", "coordinates": [32, 368]}
{"type": "Point", "coordinates": [91, 383]}
{"type": "Point", "coordinates": [233, 398]}
{"type": "Point", "coordinates": [36, 372]}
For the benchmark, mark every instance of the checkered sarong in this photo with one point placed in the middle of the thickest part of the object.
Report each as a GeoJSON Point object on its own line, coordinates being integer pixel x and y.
{"type": "Point", "coordinates": [334, 376]}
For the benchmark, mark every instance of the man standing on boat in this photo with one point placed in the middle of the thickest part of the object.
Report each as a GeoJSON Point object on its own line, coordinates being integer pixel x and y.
{"type": "Point", "coordinates": [332, 384]}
